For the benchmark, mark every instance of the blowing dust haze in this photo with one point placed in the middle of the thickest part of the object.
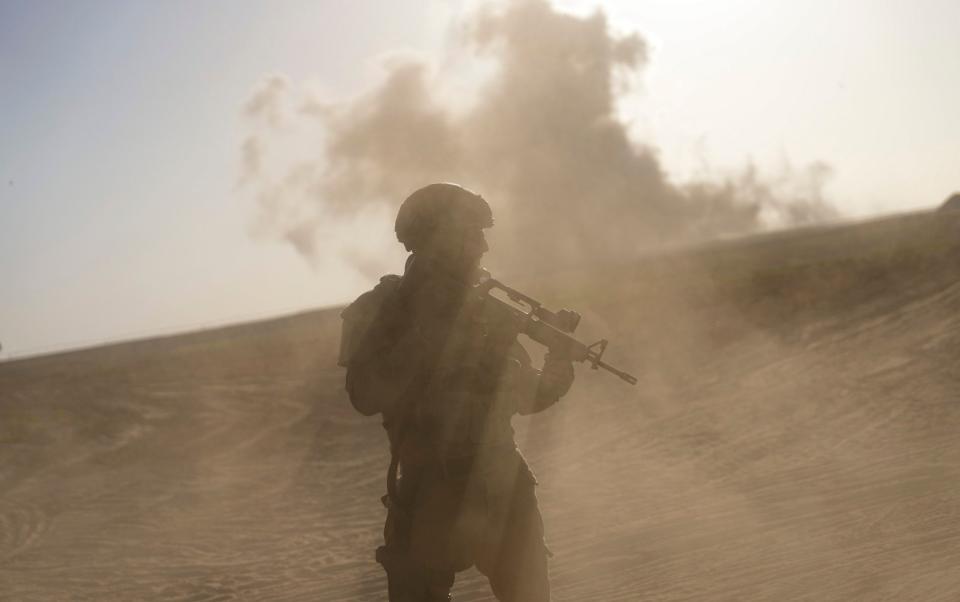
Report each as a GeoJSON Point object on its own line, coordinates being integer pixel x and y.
{"type": "Point", "coordinates": [791, 433]}
{"type": "Point", "coordinates": [540, 138]}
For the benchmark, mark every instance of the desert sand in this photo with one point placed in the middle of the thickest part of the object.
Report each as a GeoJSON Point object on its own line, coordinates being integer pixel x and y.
{"type": "Point", "coordinates": [795, 435]}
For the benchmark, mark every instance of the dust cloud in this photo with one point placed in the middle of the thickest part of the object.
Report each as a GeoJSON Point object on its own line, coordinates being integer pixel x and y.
{"type": "Point", "coordinates": [540, 137]}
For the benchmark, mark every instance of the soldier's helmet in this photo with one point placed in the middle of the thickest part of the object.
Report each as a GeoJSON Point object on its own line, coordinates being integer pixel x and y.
{"type": "Point", "coordinates": [440, 205]}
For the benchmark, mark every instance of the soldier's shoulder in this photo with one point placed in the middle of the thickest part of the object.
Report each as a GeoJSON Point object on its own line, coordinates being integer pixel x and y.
{"type": "Point", "coordinates": [374, 298]}
{"type": "Point", "coordinates": [389, 282]}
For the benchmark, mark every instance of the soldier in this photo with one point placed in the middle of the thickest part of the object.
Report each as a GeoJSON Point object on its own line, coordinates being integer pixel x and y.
{"type": "Point", "coordinates": [459, 493]}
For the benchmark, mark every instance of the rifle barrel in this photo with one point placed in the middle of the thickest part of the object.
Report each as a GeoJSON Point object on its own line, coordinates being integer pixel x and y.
{"type": "Point", "coordinates": [627, 377]}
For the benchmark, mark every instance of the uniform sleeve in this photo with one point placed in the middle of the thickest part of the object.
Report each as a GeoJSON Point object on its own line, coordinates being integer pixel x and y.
{"type": "Point", "coordinates": [524, 384]}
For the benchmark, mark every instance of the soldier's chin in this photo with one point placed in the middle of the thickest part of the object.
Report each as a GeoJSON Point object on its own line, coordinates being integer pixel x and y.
{"type": "Point", "coordinates": [473, 264]}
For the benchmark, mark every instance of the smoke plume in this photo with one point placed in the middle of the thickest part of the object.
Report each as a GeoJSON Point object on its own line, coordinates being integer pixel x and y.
{"type": "Point", "coordinates": [540, 140]}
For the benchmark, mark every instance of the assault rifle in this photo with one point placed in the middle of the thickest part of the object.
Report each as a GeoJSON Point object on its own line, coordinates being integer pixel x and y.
{"type": "Point", "coordinates": [554, 330]}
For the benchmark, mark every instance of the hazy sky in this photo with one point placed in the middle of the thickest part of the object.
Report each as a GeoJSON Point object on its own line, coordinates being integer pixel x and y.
{"type": "Point", "coordinates": [121, 126]}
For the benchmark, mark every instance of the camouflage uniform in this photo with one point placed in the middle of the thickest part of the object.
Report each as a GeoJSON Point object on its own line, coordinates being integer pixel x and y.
{"type": "Point", "coordinates": [463, 495]}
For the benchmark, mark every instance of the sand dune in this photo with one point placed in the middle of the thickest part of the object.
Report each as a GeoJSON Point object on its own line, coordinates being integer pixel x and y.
{"type": "Point", "coordinates": [794, 436]}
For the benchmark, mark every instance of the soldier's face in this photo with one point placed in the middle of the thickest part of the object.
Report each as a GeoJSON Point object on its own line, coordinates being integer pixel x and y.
{"type": "Point", "coordinates": [474, 244]}
{"type": "Point", "coordinates": [459, 248]}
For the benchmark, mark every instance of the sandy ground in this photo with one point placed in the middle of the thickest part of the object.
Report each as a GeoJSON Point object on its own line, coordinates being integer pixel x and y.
{"type": "Point", "coordinates": [795, 436]}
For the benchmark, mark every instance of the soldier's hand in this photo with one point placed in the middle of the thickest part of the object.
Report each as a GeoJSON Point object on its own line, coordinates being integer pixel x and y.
{"type": "Point", "coordinates": [556, 377]}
